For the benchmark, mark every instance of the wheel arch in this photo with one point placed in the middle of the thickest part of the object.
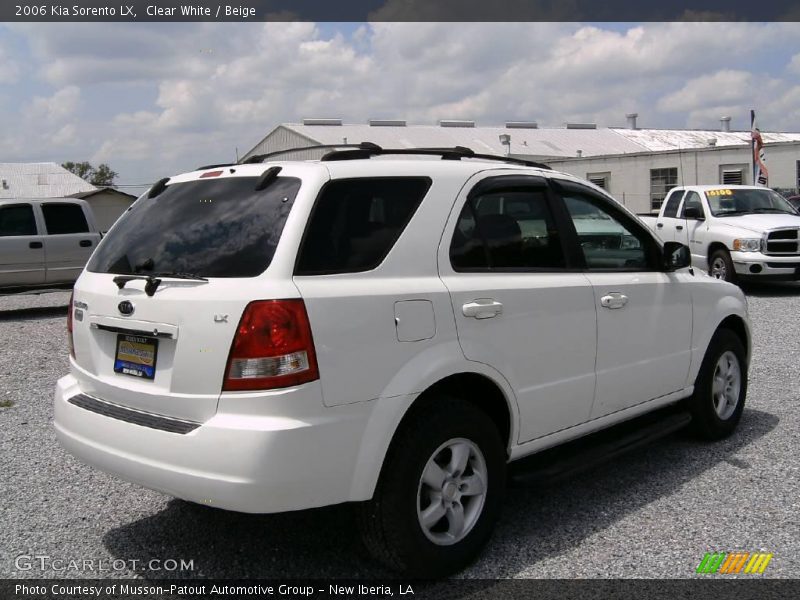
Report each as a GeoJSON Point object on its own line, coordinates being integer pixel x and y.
{"type": "Point", "coordinates": [713, 247]}
{"type": "Point", "coordinates": [477, 384]}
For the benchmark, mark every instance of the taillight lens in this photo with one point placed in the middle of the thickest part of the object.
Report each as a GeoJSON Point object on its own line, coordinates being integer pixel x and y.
{"type": "Point", "coordinates": [70, 310]}
{"type": "Point", "coordinates": [272, 348]}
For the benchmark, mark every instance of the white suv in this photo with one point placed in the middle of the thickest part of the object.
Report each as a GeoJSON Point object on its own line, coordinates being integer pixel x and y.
{"type": "Point", "coordinates": [277, 336]}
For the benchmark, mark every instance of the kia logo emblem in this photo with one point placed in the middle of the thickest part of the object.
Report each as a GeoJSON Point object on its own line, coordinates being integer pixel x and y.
{"type": "Point", "coordinates": [126, 307]}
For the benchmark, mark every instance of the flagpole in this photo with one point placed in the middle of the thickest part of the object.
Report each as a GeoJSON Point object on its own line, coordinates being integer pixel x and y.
{"type": "Point", "coordinates": [753, 169]}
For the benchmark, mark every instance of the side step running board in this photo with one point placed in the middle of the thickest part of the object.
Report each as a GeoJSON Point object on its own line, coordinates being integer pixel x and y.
{"type": "Point", "coordinates": [586, 453]}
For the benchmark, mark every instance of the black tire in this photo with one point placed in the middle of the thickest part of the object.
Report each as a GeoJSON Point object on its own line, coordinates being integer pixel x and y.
{"type": "Point", "coordinates": [707, 423]}
{"type": "Point", "coordinates": [723, 258]}
{"type": "Point", "coordinates": [389, 523]}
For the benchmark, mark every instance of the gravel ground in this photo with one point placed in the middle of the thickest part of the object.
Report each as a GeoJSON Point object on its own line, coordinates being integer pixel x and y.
{"type": "Point", "coordinates": [651, 513]}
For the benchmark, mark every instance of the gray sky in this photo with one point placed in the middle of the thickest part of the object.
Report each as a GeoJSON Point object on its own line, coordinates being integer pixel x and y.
{"type": "Point", "coordinates": [156, 99]}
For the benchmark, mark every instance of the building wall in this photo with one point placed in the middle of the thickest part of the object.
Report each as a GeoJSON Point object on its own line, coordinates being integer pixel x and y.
{"type": "Point", "coordinates": [107, 208]}
{"type": "Point", "coordinates": [629, 175]}
{"type": "Point", "coordinates": [282, 138]}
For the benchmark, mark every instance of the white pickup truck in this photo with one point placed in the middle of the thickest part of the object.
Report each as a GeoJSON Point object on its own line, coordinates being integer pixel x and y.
{"type": "Point", "coordinates": [45, 242]}
{"type": "Point", "coordinates": [734, 232]}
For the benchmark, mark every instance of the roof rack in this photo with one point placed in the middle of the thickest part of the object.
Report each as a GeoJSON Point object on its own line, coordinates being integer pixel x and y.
{"type": "Point", "coordinates": [368, 150]}
{"type": "Point", "coordinates": [454, 153]}
{"type": "Point", "coordinates": [257, 158]}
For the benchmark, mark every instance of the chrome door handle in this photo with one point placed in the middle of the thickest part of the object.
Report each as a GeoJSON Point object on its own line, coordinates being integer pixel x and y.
{"type": "Point", "coordinates": [482, 308]}
{"type": "Point", "coordinates": [613, 300]}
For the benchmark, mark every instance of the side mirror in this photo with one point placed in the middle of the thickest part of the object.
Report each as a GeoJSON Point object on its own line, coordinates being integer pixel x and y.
{"type": "Point", "coordinates": [693, 212]}
{"type": "Point", "coordinates": [676, 256]}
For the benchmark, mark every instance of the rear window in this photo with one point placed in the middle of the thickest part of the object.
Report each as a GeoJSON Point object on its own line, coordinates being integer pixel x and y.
{"type": "Point", "coordinates": [63, 218]}
{"type": "Point", "coordinates": [356, 222]}
{"type": "Point", "coordinates": [210, 228]}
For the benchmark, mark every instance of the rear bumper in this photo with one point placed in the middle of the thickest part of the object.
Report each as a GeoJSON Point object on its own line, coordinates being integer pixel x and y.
{"type": "Point", "coordinates": [761, 266]}
{"type": "Point", "coordinates": [249, 463]}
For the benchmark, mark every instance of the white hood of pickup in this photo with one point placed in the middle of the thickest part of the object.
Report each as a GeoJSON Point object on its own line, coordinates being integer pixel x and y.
{"type": "Point", "coordinates": [761, 223]}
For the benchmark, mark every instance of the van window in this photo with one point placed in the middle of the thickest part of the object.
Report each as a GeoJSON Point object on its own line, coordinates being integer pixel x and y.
{"type": "Point", "coordinates": [17, 219]}
{"type": "Point", "coordinates": [208, 227]}
{"type": "Point", "coordinates": [356, 222]}
{"type": "Point", "coordinates": [61, 218]}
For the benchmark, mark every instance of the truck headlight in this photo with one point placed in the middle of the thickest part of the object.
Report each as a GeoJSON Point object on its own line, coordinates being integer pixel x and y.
{"type": "Point", "coordinates": [747, 244]}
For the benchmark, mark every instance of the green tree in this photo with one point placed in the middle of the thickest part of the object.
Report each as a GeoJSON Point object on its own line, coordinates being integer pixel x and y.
{"type": "Point", "coordinates": [102, 176]}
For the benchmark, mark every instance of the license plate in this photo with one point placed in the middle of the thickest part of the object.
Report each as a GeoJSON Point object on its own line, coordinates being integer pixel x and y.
{"type": "Point", "coordinates": [136, 356]}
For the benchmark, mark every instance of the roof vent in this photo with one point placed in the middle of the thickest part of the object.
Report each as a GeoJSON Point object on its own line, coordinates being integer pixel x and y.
{"type": "Point", "coordinates": [725, 123]}
{"type": "Point", "coordinates": [712, 141]}
{"type": "Point", "coordinates": [579, 153]}
{"type": "Point", "coordinates": [522, 125]}
{"type": "Point", "coordinates": [5, 184]}
{"type": "Point", "coordinates": [632, 120]}
{"type": "Point", "coordinates": [387, 123]}
{"type": "Point", "coordinates": [581, 125]}
{"type": "Point", "coordinates": [322, 121]}
{"type": "Point", "coordinates": [456, 123]}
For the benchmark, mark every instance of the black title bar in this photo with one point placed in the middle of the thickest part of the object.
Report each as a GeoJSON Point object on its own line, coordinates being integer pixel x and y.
{"type": "Point", "coordinates": [396, 10]}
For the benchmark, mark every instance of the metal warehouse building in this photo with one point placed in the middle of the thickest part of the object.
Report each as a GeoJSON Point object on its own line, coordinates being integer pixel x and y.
{"type": "Point", "coordinates": [638, 166]}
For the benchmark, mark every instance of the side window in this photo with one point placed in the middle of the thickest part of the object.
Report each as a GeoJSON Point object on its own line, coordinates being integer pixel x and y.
{"type": "Point", "coordinates": [606, 241]}
{"type": "Point", "coordinates": [692, 199]}
{"type": "Point", "coordinates": [673, 202]}
{"type": "Point", "coordinates": [511, 229]}
{"type": "Point", "coordinates": [64, 218]}
{"type": "Point", "coordinates": [356, 222]}
{"type": "Point", "coordinates": [17, 219]}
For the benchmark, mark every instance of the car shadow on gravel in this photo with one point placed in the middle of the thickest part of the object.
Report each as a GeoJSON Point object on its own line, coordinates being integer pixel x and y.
{"type": "Point", "coordinates": [537, 521]}
{"type": "Point", "coordinates": [33, 313]}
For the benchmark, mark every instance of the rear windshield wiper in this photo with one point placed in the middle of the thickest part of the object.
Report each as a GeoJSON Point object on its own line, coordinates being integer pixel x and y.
{"type": "Point", "coordinates": [154, 280]}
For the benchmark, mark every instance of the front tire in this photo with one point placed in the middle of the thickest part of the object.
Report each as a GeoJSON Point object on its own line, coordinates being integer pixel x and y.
{"type": "Point", "coordinates": [439, 493]}
{"type": "Point", "coordinates": [720, 266]}
{"type": "Point", "coordinates": [721, 387]}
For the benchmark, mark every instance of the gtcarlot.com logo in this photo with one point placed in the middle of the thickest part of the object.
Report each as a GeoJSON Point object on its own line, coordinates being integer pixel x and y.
{"type": "Point", "coordinates": [45, 562]}
{"type": "Point", "coordinates": [732, 563]}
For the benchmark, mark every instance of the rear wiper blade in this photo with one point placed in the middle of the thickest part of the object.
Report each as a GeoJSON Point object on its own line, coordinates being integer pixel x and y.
{"type": "Point", "coordinates": [154, 280]}
{"type": "Point", "coordinates": [179, 275]}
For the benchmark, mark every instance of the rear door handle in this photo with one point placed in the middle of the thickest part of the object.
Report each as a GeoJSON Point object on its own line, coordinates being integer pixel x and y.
{"type": "Point", "coordinates": [613, 300]}
{"type": "Point", "coordinates": [679, 227]}
{"type": "Point", "coordinates": [482, 308]}
{"type": "Point", "coordinates": [35, 245]}
{"type": "Point", "coordinates": [659, 225]}
{"type": "Point", "coordinates": [86, 243]}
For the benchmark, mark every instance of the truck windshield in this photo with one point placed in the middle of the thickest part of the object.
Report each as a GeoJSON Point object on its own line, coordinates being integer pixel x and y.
{"type": "Point", "coordinates": [747, 201]}
{"type": "Point", "coordinates": [209, 228]}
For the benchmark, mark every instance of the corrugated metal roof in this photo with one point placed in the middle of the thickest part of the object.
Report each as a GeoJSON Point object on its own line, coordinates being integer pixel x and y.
{"type": "Point", "coordinates": [543, 142]}
{"type": "Point", "coordinates": [656, 140]}
{"type": "Point", "coordinates": [39, 180]}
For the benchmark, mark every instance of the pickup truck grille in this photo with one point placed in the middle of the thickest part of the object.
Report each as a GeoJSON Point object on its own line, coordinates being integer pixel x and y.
{"type": "Point", "coordinates": [782, 241]}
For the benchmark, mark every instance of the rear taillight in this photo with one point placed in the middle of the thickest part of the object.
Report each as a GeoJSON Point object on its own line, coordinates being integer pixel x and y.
{"type": "Point", "coordinates": [69, 326]}
{"type": "Point", "coordinates": [272, 348]}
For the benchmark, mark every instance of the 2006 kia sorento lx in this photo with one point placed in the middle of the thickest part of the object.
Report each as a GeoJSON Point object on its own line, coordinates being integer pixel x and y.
{"type": "Point", "coordinates": [276, 336]}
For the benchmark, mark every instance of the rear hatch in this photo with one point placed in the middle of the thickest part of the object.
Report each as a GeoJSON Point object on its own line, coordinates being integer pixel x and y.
{"type": "Point", "coordinates": [157, 307]}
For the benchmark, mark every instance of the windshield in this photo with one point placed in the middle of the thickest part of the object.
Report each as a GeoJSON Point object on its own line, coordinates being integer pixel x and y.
{"type": "Point", "coordinates": [206, 228]}
{"type": "Point", "coordinates": [747, 201]}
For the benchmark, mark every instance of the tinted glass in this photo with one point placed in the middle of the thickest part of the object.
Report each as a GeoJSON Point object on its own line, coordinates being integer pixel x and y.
{"type": "Point", "coordinates": [64, 218]}
{"type": "Point", "coordinates": [692, 200]}
{"type": "Point", "coordinates": [17, 219]}
{"type": "Point", "coordinates": [506, 229]}
{"type": "Point", "coordinates": [606, 243]}
{"type": "Point", "coordinates": [211, 228]}
{"type": "Point", "coordinates": [671, 208]}
{"type": "Point", "coordinates": [356, 222]}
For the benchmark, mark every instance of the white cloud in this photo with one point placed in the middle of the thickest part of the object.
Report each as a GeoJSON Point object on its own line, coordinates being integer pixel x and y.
{"type": "Point", "coordinates": [209, 88]}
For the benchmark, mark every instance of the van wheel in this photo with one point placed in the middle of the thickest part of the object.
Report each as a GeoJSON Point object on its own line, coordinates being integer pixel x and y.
{"type": "Point", "coordinates": [720, 266]}
{"type": "Point", "coordinates": [439, 493]}
{"type": "Point", "coordinates": [721, 387]}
